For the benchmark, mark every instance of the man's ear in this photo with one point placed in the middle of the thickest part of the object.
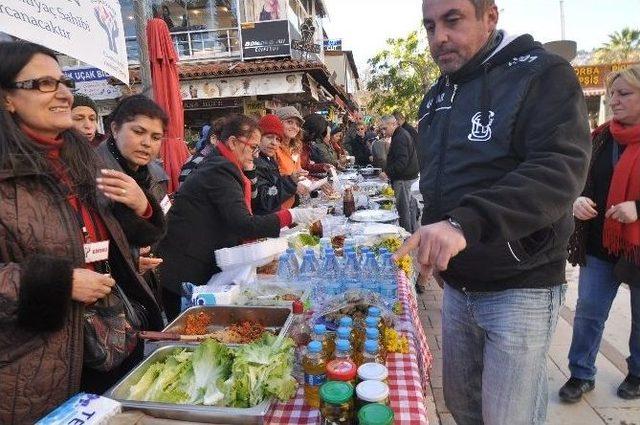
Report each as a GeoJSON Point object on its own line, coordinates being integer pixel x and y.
{"type": "Point", "coordinates": [492, 16]}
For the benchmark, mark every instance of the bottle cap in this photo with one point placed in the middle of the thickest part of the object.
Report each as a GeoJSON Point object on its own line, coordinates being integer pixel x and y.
{"type": "Point", "coordinates": [346, 321]}
{"type": "Point", "coordinates": [371, 346]}
{"type": "Point", "coordinates": [336, 392]}
{"type": "Point", "coordinates": [373, 371]}
{"type": "Point", "coordinates": [375, 414]}
{"type": "Point", "coordinates": [297, 307]}
{"type": "Point", "coordinates": [341, 370]}
{"type": "Point", "coordinates": [372, 391]}
{"type": "Point", "coordinates": [371, 322]}
{"type": "Point", "coordinates": [372, 333]}
{"type": "Point", "coordinates": [320, 329]}
{"type": "Point", "coordinates": [314, 347]}
{"type": "Point", "coordinates": [344, 333]}
{"type": "Point", "coordinates": [343, 345]}
{"type": "Point", "coordinates": [374, 312]}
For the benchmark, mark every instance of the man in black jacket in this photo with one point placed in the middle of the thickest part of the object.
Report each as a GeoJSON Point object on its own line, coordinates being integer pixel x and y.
{"type": "Point", "coordinates": [402, 171]}
{"type": "Point", "coordinates": [503, 150]}
{"type": "Point", "coordinates": [402, 122]}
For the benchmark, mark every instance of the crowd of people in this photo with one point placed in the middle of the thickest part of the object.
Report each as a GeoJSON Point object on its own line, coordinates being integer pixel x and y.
{"type": "Point", "coordinates": [93, 248]}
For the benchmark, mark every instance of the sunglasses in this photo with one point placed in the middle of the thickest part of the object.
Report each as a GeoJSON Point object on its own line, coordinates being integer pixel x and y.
{"type": "Point", "coordinates": [44, 84]}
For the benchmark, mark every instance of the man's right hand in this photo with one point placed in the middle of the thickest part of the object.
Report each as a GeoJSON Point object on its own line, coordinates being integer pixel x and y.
{"type": "Point", "coordinates": [584, 209]}
{"type": "Point", "coordinates": [88, 286]}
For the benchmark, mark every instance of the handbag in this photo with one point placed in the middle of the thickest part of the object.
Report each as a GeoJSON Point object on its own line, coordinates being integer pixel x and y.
{"type": "Point", "coordinates": [111, 330]}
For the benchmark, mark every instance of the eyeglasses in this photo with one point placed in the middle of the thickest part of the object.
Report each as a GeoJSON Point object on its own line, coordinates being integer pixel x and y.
{"type": "Point", "coordinates": [44, 84]}
{"type": "Point", "coordinates": [256, 149]}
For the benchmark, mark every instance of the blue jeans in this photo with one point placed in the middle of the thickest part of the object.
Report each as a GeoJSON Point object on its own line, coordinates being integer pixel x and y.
{"type": "Point", "coordinates": [596, 291]}
{"type": "Point", "coordinates": [494, 355]}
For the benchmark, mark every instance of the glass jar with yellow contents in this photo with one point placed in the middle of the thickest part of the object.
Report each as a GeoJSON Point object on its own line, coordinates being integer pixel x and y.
{"type": "Point", "coordinates": [336, 403]}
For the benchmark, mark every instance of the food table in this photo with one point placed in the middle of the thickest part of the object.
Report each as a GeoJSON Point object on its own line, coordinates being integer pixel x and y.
{"type": "Point", "coordinates": [408, 381]}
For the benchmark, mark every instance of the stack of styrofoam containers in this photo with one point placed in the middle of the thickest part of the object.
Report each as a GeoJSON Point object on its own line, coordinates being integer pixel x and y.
{"type": "Point", "coordinates": [254, 253]}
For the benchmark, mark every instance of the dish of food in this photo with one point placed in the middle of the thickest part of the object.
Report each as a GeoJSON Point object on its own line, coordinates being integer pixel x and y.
{"type": "Point", "coordinates": [374, 216]}
{"type": "Point", "coordinates": [239, 333]}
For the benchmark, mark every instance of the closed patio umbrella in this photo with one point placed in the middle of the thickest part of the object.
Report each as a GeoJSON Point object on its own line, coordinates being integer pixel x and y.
{"type": "Point", "coordinates": [166, 91]}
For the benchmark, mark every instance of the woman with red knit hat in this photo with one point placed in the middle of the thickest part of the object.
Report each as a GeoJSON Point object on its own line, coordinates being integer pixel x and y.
{"type": "Point", "coordinates": [606, 242]}
{"type": "Point", "coordinates": [271, 188]}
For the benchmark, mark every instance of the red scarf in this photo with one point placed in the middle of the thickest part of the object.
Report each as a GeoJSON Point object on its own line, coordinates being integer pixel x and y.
{"type": "Point", "coordinates": [619, 238]}
{"type": "Point", "coordinates": [246, 183]}
{"type": "Point", "coordinates": [96, 228]}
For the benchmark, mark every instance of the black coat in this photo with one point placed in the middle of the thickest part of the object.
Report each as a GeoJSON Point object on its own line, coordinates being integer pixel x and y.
{"type": "Point", "coordinates": [402, 161]}
{"type": "Point", "coordinates": [271, 188]}
{"type": "Point", "coordinates": [360, 150]}
{"type": "Point", "coordinates": [209, 213]}
{"type": "Point", "coordinates": [411, 130]}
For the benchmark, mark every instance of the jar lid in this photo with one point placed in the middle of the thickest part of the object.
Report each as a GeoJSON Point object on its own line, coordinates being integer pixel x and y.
{"type": "Point", "coordinates": [373, 371]}
{"type": "Point", "coordinates": [372, 391]}
{"type": "Point", "coordinates": [375, 414]}
{"type": "Point", "coordinates": [341, 370]}
{"type": "Point", "coordinates": [336, 392]}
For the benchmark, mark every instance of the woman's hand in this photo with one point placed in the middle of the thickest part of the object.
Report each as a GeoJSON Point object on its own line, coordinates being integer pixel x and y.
{"type": "Point", "coordinates": [584, 209]}
{"type": "Point", "coordinates": [302, 190]}
{"type": "Point", "coordinates": [625, 212]}
{"type": "Point", "coordinates": [120, 187]}
{"type": "Point", "coordinates": [147, 261]}
{"type": "Point", "coordinates": [88, 286]}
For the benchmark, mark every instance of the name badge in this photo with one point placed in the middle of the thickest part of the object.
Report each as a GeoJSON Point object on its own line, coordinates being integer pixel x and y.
{"type": "Point", "coordinates": [96, 251]}
{"type": "Point", "coordinates": [165, 204]}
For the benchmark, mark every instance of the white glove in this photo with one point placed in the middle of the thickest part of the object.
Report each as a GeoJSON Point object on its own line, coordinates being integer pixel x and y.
{"type": "Point", "coordinates": [307, 215]}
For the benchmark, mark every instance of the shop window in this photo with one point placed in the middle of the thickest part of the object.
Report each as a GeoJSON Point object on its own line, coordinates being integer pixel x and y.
{"type": "Point", "coordinates": [196, 15]}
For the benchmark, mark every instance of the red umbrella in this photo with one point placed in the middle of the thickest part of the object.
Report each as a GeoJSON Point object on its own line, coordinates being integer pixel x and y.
{"type": "Point", "coordinates": [166, 91]}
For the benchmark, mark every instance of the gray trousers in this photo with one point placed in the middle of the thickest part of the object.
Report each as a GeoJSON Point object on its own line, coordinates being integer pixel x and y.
{"type": "Point", "coordinates": [406, 205]}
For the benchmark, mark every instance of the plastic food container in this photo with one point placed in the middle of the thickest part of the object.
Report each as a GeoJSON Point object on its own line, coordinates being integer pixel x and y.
{"type": "Point", "coordinates": [342, 370]}
{"type": "Point", "coordinates": [336, 403]}
{"type": "Point", "coordinates": [373, 372]}
{"type": "Point", "coordinates": [375, 414]}
{"type": "Point", "coordinates": [368, 392]}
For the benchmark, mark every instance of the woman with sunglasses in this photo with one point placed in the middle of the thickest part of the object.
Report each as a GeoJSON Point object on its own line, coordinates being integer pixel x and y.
{"type": "Point", "coordinates": [212, 210]}
{"type": "Point", "coordinates": [62, 223]}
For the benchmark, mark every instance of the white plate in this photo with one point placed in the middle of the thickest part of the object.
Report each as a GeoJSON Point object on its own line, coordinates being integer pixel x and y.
{"type": "Point", "coordinates": [374, 216]}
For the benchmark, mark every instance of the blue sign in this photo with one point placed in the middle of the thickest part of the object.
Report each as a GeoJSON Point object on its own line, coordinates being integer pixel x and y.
{"type": "Point", "coordinates": [93, 82]}
{"type": "Point", "coordinates": [333, 45]}
{"type": "Point", "coordinates": [86, 74]}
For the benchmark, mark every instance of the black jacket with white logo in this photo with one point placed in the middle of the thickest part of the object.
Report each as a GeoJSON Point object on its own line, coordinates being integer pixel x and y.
{"type": "Point", "coordinates": [504, 149]}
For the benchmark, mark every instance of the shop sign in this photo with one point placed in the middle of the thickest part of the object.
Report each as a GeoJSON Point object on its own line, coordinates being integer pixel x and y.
{"type": "Point", "coordinates": [332, 45]}
{"type": "Point", "coordinates": [255, 108]}
{"type": "Point", "coordinates": [594, 76]}
{"type": "Point", "coordinates": [88, 30]}
{"type": "Point", "coordinates": [191, 104]}
{"type": "Point", "coordinates": [306, 44]}
{"type": "Point", "coordinates": [253, 85]}
{"type": "Point", "coordinates": [93, 83]}
{"type": "Point", "coordinates": [267, 39]}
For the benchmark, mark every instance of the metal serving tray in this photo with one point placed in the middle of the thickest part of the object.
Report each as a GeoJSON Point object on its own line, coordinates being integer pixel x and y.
{"type": "Point", "coordinates": [183, 412]}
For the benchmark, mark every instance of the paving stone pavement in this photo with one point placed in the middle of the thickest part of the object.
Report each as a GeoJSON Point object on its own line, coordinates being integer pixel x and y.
{"type": "Point", "coordinates": [601, 406]}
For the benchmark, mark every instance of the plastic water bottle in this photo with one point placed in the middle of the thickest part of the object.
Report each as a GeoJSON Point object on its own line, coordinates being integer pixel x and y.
{"type": "Point", "coordinates": [371, 274]}
{"type": "Point", "coordinates": [284, 269]}
{"type": "Point", "coordinates": [351, 274]}
{"type": "Point", "coordinates": [293, 260]}
{"type": "Point", "coordinates": [314, 366]}
{"type": "Point", "coordinates": [345, 334]}
{"type": "Point", "coordinates": [331, 274]}
{"type": "Point", "coordinates": [320, 334]}
{"type": "Point", "coordinates": [309, 273]}
{"type": "Point", "coordinates": [364, 253]}
{"type": "Point", "coordinates": [346, 322]}
{"type": "Point", "coordinates": [315, 259]}
{"type": "Point", "coordinates": [325, 243]}
{"type": "Point", "coordinates": [389, 286]}
{"type": "Point", "coordinates": [371, 352]}
{"type": "Point", "coordinates": [343, 350]}
{"type": "Point", "coordinates": [381, 255]}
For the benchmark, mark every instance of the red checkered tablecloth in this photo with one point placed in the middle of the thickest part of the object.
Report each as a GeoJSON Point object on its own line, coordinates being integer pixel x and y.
{"type": "Point", "coordinates": [408, 374]}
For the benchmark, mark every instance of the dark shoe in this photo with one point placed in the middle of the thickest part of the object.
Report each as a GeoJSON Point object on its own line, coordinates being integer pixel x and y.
{"type": "Point", "coordinates": [572, 391]}
{"type": "Point", "coordinates": [630, 388]}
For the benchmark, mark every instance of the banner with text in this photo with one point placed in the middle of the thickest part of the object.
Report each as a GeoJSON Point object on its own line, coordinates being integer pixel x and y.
{"type": "Point", "coordinates": [88, 30]}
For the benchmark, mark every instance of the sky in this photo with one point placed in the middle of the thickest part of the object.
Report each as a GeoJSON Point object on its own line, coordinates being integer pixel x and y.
{"type": "Point", "coordinates": [365, 25]}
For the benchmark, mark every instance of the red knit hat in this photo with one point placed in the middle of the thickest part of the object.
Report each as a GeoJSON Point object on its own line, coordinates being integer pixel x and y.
{"type": "Point", "coordinates": [271, 124]}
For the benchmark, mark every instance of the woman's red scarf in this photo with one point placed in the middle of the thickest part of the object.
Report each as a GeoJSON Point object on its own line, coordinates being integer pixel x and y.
{"type": "Point", "coordinates": [226, 152]}
{"type": "Point", "coordinates": [620, 238]}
